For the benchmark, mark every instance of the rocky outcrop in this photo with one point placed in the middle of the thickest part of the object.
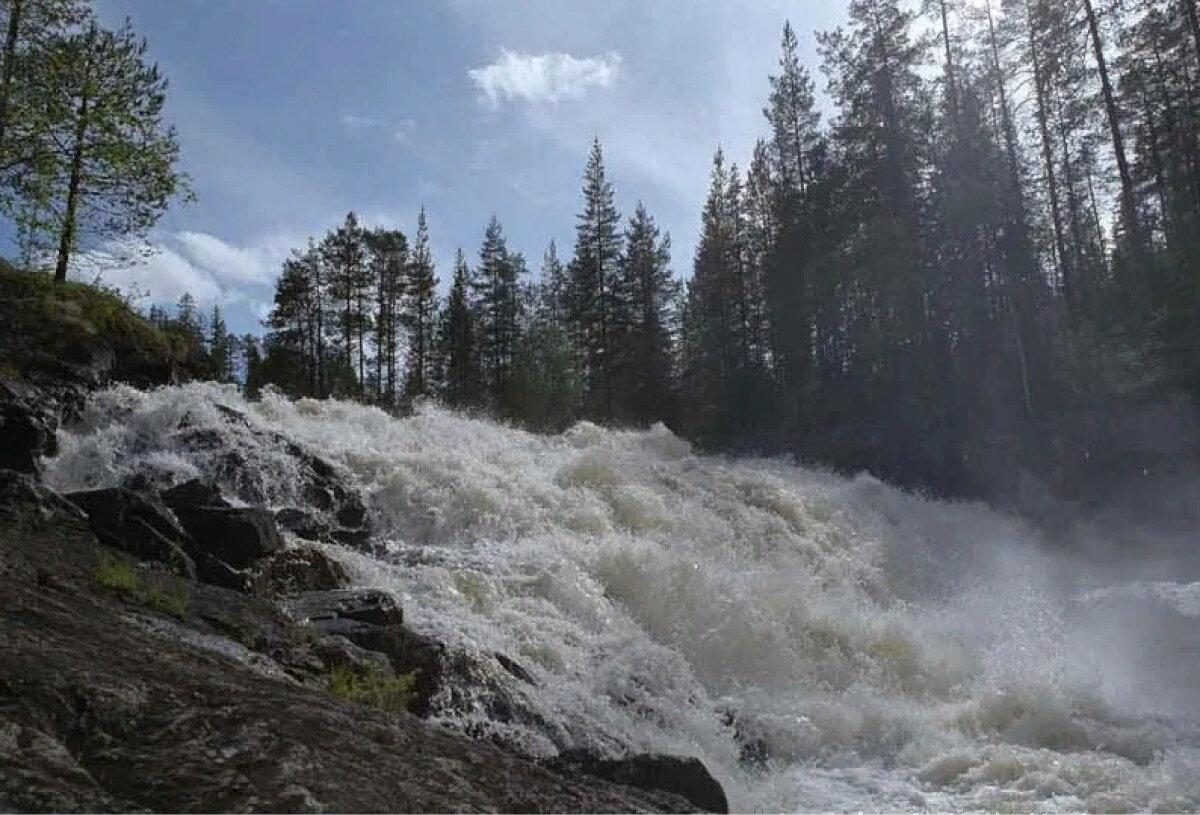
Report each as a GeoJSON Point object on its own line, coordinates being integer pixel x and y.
{"type": "Point", "coordinates": [686, 777]}
{"type": "Point", "coordinates": [328, 508]}
{"type": "Point", "coordinates": [138, 524]}
{"type": "Point", "coordinates": [27, 428]}
{"type": "Point", "coordinates": [107, 705]}
{"type": "Point", "coordinates": [295, 571]}
{"type": "Point", "coordinates": [237, 536]}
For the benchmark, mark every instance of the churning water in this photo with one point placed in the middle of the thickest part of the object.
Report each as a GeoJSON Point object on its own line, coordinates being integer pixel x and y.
{"type": "Point", "coordinates": [821, 643]}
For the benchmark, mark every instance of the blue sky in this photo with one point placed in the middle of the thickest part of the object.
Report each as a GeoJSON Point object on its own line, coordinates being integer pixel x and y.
{"type": "Point", "coordinates": [292, 112]}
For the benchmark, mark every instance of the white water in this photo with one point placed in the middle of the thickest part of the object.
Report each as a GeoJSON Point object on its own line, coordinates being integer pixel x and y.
{"type": "Point", "coordinates": [894, 653]}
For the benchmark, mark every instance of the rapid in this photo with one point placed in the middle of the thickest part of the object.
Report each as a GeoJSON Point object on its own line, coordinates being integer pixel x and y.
{"type": "Point", "coordinates": [821, 643]}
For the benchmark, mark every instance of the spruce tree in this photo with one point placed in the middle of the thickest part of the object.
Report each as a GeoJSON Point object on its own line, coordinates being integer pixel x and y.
{"type": "Point", "coordinates": [652, 293]}
{"type": "Point", "coordinates": [457, 343]}
{"type": "Point", "coordinates": [593, 302]}
{"type": "Point", "coordinates": [419, 312]}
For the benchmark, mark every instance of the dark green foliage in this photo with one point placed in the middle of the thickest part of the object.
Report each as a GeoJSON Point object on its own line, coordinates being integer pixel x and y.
{"type": "Point", "coordinates": [419, 313]}
{"type": "Point", "coordinates": [461, 380]}
{"type": "Point", "coordinates": [547, 387]}
{"type": "Point", "coordinates": [594, 308]}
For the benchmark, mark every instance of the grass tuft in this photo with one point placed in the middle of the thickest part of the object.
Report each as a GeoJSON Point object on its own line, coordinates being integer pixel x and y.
{"type": "Point", "coordinates": [158, 592]}
{"type": "Point", "coordinates": [373, 689]}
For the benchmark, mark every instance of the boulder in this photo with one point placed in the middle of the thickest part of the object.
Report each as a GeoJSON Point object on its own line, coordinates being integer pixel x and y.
{"type": "Point", "coordinates": [306, 525]}
{"type": "Point", "coordinates": [27, 428]}
{"type": "Point", "coordinates": [686, 777]}
{"type": "Point", "coordinates": [195, 493]}
{"type": "Point", "coordinates": [327, 507]}
{"type": "Point", "coordinates": [136, 523]}
{"type": "Point", "coordinates": [239, 536]}
{"type": "Point", "coordinates": [338, 652]}
{"type": "Point", "coordinates": [369, 606]}
{"type": "Point", "coordinates": [295, 571]}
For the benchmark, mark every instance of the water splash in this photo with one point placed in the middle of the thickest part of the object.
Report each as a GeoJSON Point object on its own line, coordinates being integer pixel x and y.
{"type": "Point", "coordinates": [821, 643]}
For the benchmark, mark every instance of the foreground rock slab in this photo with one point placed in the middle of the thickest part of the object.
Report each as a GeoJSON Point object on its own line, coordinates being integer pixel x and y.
{"type": "Point", "coordinates": [102, 710]}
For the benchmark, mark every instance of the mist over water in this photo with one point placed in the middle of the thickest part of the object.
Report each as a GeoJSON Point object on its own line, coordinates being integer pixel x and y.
{"type": "Point", "coordinates": [880, 650]}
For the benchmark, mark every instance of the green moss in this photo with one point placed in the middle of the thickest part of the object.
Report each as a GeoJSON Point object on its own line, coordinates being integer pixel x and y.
{"type": "Point", "coordinates": [38, 315]}
{"type": "Point", "coordinates": [156, 591]}
{"type": "Point", "coordinates": [374, 689]}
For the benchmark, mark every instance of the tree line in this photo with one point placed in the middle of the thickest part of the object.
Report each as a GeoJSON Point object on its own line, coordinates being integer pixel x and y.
{"type": "Point", "coordinates": [984, 262]}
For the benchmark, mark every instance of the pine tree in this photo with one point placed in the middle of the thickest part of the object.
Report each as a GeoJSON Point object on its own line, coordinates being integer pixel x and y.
{"type": "Point", "coordinates": [461, 386]}
{"type": "Point", "coordinates": [105, 163]}
{"type": "Point", "coordinates": [553, 289]}
{"type": "Point", "coordinates": [387, 251]}
{"type": "Point", "coordinates": [350, 284]}
{"type": "Point", "coordinates": [419, 312]}
{"type": "Point", "coordinates": [652, 293]}
{"type": "Point", "coordinates": [219, 351]}
{"type": "Point", "coordinates": [594, 306]}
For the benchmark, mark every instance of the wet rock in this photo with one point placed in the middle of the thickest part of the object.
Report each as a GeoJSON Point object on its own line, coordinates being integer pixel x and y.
{"type": "Point", "coordinates": [515, 668]}
{"type": "Point", "coordinates": [136, 523]}
{"type": "Point", "coordinates": [336, 651]}
{"type": "Point", "coordinates": [370, 606]}
{"type": "Point", "coordinates": [239, 536]}
{"type": "Point", "coordinates": [328, 508]}
{"type": "Point", "coordinates": [686, 777]}
{"type": "Point", "coordinates": [213, 570]}
{"type": "Point", "coordinates": [195, 493]}
{"type": "Point", "coordinates": [27, 428]}
{"type": "Point", "coordinates": [306, 525]}
{"type": "Point", "coordinates": [296, 571]}
{"type": "Point", "coordinates": [753, 749]}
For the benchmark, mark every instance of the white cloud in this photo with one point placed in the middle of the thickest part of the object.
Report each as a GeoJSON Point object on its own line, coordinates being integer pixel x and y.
{"type": "Point", "coordinates": [146, 271]}
{"type": "Point", "coordinates": [234, 265]}
{"type": "Point", "coordinates": [212, 270]}
{"type": "Point", "coordinates": [520, 77]}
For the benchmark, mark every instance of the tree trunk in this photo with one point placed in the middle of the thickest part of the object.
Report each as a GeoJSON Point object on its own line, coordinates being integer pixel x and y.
{"type": "Point", "coordinates": [1128, 204]}
{"type": "Point", "coordinates": [67, 239]}
{"type": "Point", "coordinates": [10, 64]}
{"type": "Point", "coordinates": [951, 83]}
{"type": "Point", "coordinates": [1043, 120]}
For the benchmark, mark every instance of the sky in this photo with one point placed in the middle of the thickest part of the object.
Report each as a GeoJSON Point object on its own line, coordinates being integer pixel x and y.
{"type": "Point", "coordinates": [293, 112]}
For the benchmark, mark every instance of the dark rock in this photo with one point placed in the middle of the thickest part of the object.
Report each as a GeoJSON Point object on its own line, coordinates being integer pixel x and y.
{"type": "Point", "coordinates": [686, 777]}
{"type": "Point", "coordinates": [370, 606]}
{"type": "Point", "coordinates": [24, 501]}
{"type": "Point", "coordinates": [295, 571]}
{"type": "Point", "coordinates": [237, 535]}
{"type": "Point", "coordinates": [138, 524]}
{"type": "Point", "coordinates": [515, 668]}
{"type": "Point", "coordinates": [330, 509]}
{"type": "Point", "coordinates": [213, 570]}
{"type": "Point", "coordinates": [753, 749]}
{"type": "Point", "coordinates": [147, 543]}
{"type": "Point", "coordinates": [426, 657]}
{"type": "Point", "coordinates": [27, 428]}
{"type": "Point", "coordinates": [195, 493]}
{"type": "Point", "coordinates": [306, 525]}
{"type": "Point", "coordinates": [385, 639]}
{"type": "Point", "coordinates": [336, 651]}
{"type": "Point", "coordinates": [369, 618]}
